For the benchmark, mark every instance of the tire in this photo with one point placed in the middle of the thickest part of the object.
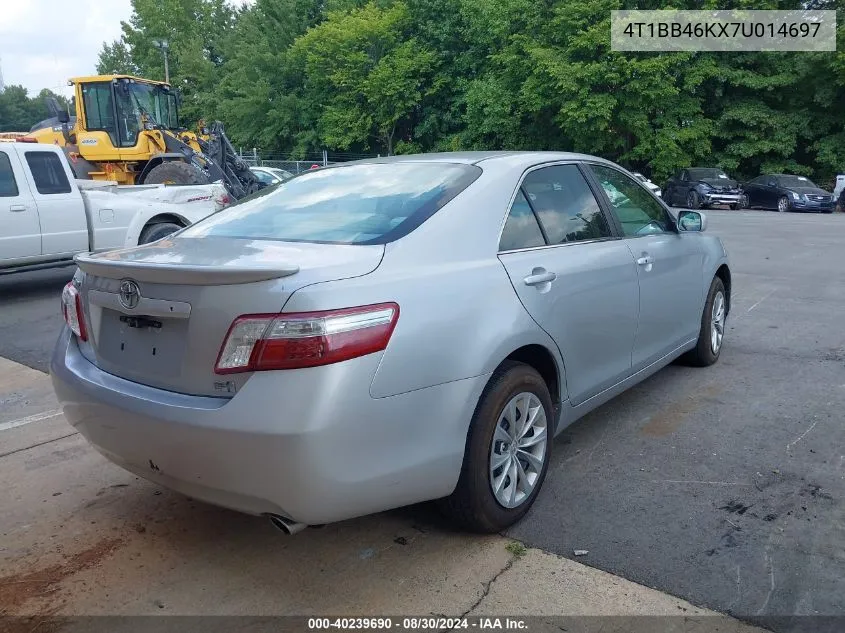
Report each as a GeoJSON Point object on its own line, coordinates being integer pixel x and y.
{"type": "Point", "coordinates": [155, 232]}
{"type": "Point", "coordinates": [703, 354]}
{"type": "Point", "coordinates": [473, 505]}
{"type": "Point", "coordinates": [783, 204]}
{"type": "Point", "coordinates": [174, 172]}
{"type": "Point", "coordinates": [743, 203]}
{"type": "Point", "coordinates": [693, 201]}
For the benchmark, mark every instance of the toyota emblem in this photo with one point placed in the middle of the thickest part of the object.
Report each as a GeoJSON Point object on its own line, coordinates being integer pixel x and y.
{"type": "Point", "coordinates": [129, 294]}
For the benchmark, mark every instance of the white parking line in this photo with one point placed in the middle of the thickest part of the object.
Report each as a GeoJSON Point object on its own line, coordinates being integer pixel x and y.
{"type": "Point", "coordinates": [5, 426]}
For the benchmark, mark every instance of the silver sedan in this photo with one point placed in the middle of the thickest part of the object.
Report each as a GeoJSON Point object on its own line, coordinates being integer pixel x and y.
{"type": "Point", "coordinates": [386, 332]}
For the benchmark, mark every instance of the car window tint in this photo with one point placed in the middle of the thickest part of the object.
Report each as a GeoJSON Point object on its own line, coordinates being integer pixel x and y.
{"type": "Point", "coordinates": [47, 172]}
{"type": "Point", "coordinates": [370, 203]}
{"type": "Point", "coordinates": [8, 185]}
{"type": "Point", "coordinates": [565, 205]}
{"type": "Point", "coordinates": [759, 180]}
{"type": "Point", "coordinates": [637, 210]}
{"type": "Point", "coordinates": [521, 228]}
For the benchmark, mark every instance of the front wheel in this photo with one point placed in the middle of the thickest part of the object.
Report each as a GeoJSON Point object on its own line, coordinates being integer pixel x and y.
{"type": "Point", "coordinates": [712, 332]}
{"type": "Point", "coordinates": [507, 452]}
{"type": "Point", "coordinates": [693, 201]}
{"type": "Point", "coordinates": [783, 204]}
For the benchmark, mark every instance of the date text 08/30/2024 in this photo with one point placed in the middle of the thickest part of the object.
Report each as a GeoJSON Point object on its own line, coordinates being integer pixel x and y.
{"type": "Point", "coordinates": [417, 623]}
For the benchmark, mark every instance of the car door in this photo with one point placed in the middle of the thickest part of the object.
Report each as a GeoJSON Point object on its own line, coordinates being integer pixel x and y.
{"type": "Point", "coordinates": [670, 190]}
{"type": "Point", "coordinates": [573, 275]}
{"type": "Point", "coordinates": [771, 193]}
{"type": "Point", "coordinates": [20, 231]}
{"type": "Point", "coordinates": [61, 210]}
{"type": "Point", "coordinates": [753, 191]}
{"type": "Point", "coordinates": [669, 267]}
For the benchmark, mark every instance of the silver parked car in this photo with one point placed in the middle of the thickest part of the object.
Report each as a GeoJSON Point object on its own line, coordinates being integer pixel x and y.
{"type": "Point", "coordinates": [386, 332]}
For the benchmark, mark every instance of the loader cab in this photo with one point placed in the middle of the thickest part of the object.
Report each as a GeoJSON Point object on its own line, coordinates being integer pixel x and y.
{"type": "Point", "coordinates": [116, 113]}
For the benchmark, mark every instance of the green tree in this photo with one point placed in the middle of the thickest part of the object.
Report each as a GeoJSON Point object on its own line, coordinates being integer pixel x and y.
{"type": "Point", "coordinates": [367, 75]}
{"type": "Point", "coordinates": [195, 31]}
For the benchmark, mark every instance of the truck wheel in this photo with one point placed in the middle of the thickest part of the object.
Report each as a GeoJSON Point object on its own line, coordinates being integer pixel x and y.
{"type": "Point", "coordinates": [175, 172]}
{"type": "Point", "coordinates": [155, 232]}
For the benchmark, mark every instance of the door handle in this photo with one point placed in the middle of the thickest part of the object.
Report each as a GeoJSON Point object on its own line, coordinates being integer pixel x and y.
{"type": "Point", "coordinates": [645, 260]}
{"type": "Point", "coordinates": [17, 208]}
{"type": "Point", "coordinates": [539, 276]}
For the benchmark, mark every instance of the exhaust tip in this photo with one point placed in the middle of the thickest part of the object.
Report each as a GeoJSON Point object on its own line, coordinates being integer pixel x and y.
{"type": "Point", "coordinates": [286, 525]}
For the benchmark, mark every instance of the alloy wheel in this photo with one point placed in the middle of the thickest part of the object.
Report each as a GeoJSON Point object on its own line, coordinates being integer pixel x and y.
{"type": "Point", "coordinates": [518, 450]}
{"type": "Point", "coordinates": [717, 322]}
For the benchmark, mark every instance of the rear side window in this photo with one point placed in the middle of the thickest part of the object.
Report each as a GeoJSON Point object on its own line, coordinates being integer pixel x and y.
{"type": "Point", "coordinates": [47, 172]}
{"type": "Point", "coordinates": [8, 185]}
{"type": "Point", "coordinates": [565, 204]}
{"type": "Point", "coordinates": [521, 228]}
{"type": "Point", "coordinates": [371, 203]}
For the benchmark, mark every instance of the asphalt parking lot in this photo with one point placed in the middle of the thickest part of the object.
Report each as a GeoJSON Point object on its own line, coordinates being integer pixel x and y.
{"type": "Point", "coordinates": [723, 486]}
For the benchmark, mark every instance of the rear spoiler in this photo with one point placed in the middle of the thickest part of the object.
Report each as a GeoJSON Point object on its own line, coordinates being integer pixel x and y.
{"type": "Point", "coordinates": [167, 273]}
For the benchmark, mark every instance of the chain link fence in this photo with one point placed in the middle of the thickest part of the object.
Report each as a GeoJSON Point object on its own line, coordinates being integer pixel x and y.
{"type": "Point", "coordinates": [255, 158]}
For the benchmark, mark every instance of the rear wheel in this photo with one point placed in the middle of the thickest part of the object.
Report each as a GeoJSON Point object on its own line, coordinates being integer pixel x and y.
{"type": "Point", "coordinates": [693, 201]}
{"type": "Point", "coordinates": [155, 232]}
{"type": "Point", "coordinates": [712, 332]}
{"type": "Point", "coordinates": [175, 172]}
{"type": "Point", "coordinates": [783, 204]}
{"type": "Point", "coordinates": [507, 452]}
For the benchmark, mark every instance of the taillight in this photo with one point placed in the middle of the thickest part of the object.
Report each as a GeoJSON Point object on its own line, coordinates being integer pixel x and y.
{"type": "Point", "coordinates": [258, 342]}
{"type": "Point", "coordinates": [72, 311]}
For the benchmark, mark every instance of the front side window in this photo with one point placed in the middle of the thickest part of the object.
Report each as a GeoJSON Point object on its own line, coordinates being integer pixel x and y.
{"type": "Point", "coordinates": [47, 172]}
{"type": "Point", "coordinates": [521, 228]}
{"type": "Point", "coordinates": [8, 185]}
{"type": "Point", "coordinates": [372, 203]}
{"type": "Point", "coordinates": [565, 205]}
{"type": "Point", "coordinates": [637, 210]}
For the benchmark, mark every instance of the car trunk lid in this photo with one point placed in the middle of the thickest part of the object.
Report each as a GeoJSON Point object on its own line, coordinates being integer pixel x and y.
{"type": "Point", "coordinates": [157, 314]}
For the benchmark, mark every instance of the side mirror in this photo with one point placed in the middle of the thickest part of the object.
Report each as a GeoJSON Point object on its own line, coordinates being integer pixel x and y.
{"type": "Point", "coordinates": [692, 221]}
{"type": "Point", "coordinates": [63, 116]}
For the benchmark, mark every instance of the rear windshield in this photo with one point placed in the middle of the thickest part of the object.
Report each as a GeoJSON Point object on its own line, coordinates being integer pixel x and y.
{"type": "Point", "coordinates": [371, 203]}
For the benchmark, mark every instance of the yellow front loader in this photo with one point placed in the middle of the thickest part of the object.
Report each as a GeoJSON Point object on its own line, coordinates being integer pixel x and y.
{"type": "Point", "coordinates": [127, 130]}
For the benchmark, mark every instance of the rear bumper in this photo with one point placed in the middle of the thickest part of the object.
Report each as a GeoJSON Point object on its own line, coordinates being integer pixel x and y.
{"type": "Point", "coordinates": [311, 445]}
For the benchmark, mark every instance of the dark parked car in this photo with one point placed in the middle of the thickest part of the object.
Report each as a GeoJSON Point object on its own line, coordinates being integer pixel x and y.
{"type": "Point", "coordinates": [788, 193]}
{"type": "Point", "coordinates": [698, 187]}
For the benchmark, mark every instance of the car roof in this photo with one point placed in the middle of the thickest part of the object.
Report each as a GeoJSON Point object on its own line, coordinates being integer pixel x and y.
{"type": "Point", "coordinates": [504, 158]}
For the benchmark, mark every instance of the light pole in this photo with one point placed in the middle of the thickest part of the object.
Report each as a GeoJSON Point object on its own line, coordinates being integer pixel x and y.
{"type": "Point", "coordinates": [163, 46]}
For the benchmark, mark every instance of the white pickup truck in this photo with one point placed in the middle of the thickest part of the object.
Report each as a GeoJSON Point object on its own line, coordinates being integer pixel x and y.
{"type": "Point", "coordinates": [47, 217]}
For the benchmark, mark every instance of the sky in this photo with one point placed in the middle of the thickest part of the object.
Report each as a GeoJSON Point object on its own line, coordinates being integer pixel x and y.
{"type": "Point", "coordinates": [45, 42]}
